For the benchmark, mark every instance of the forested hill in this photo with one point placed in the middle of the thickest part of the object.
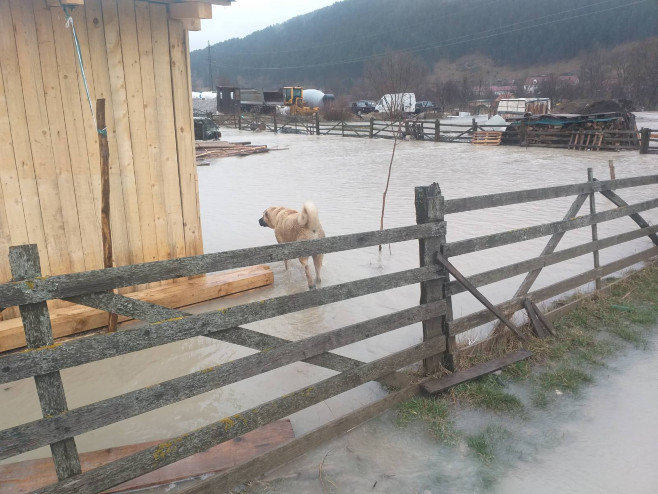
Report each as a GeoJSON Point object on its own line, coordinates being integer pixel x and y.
{"type": "Point", "coordinates": [329, 47]}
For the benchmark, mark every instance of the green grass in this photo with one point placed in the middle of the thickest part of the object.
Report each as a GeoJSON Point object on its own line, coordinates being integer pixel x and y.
{"type": "Point", "coordinates": [563, 365]}
{"type": "Point", "coordinates": [485, 444]}
{"type": "Point", "coordinates": [488, 393]}
{"type": "Point", "coordinates": [434, 412]}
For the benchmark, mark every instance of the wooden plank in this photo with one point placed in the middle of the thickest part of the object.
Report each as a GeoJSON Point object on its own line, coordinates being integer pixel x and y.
{"type": "Point", "coordinates": [25, 175]}
{"type": "Point", "coordinates": [522, 196]}
{"type": "Point", "coordinates": [151, 135]}
{"type": "Point", "coordinates": [437, 386]}
{"type": "Point", "coordinates": [185, 136]}
{"type": "Point", "coordinates": [513, 236]}
{"type": "Point", "coordinates": [63, 286]}
{"type": "Point", "coordinates": [72, 320]}
{"type": "Point", "coordinates": [12, 221]}
{"type": "Point", "coordinates": [96, 415]}
{"type": "Point", "coordinates": [190, 10]}
{"type": "Point", "coordinates": [26, 476]}
{"type": "Point", "coordinates": [77, 352]}
{"type": "Point", "coordinates": [168, 163]}
{"type": "Point", "coordinates": [123, 131]}
{"type": "Point", "coordinates": [102, 89]}
{"type": "Point", "coordinates": [227, 428]}
{"type": "Point", "coordinates": [58, 135]}
{"type": "Point", "coordinates": [490, 137]}
{"type": "Point", "coordinates": [287, 452]}
{"type": "Point", "coordinates": [24, 262]}
{"type": "Point", "coordinates": [478, 318]}
{"type": "Point", "coordinates": [542, 261]}
{"type": "Point", "coordinates": [135, 104]}
{"type": "Point", "coordinates": [72, 102]}
{"type": "Point", "coordinates": [91, 134]}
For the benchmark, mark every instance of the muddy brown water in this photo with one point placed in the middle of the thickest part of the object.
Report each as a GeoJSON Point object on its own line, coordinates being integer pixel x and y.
{"type": "Point", "coordinates": [345, 177]}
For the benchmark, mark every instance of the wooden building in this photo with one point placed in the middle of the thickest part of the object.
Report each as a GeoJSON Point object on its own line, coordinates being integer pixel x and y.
{"type": "Point", "coordinates": [135, 55]}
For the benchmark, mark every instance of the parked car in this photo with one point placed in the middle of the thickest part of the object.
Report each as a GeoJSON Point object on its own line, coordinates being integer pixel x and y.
{"type": "Point", "coordinates": [363, 107]}
{"type": "Point", "coordinates": [423, 106]}
{"type": "Point", "coordinates": [205, 129]}
{"type": "Point", "coordinates": [396, 103]}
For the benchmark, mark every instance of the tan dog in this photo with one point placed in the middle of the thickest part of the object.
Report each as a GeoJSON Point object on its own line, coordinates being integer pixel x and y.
{"type": "Point", "coordinates": [292, 226]}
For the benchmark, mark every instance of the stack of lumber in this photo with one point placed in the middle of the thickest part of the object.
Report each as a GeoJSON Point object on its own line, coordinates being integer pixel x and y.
{"type": "Point", "coordinates": [219, 149]}
{"type": "Point", "coordinates": [74, 319]}
{"type": "Point", "coordinates": [26, 476]}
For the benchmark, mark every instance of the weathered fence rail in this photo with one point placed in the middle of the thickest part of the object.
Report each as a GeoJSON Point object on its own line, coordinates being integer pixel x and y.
{"type": "Point", "coordinates": [44, 358]}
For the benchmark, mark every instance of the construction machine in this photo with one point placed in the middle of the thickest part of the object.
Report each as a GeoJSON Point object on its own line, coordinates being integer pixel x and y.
{"type": "Point", "coordinates": [293, 97]}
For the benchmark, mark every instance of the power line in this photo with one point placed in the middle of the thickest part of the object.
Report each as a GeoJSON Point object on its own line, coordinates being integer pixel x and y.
{"type": "Point", "coordinates": [449, 42]}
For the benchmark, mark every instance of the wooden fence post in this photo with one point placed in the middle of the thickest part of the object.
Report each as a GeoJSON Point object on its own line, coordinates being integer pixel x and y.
{"type": "Point", "coordinates": [276, 129]}
{"type": "Point", "coordinates": [239, 122]}
{"type": "Point", "coordinates": [25, 264]}
{"type": "Point", "coordinates": [317, 124]}
{"type": "Point", "coordinates": [372, 127]}
{"type": "Point", "coordinates": [645, 136]}
{"type": "Point", "coordinates": [430, 208]}
{"type": "Point", "coordinates": [437, 130]}
{"type": "Point", "coordinates": [595, 231]}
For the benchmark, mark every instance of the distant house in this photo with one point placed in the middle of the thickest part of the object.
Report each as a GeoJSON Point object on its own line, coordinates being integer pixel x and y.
{"type": "Point", "coordinates": [533, 84]}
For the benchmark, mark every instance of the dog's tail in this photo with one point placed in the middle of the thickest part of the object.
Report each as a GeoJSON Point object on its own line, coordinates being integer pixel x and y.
{"type": "Point", "coordinates": [309, 216]}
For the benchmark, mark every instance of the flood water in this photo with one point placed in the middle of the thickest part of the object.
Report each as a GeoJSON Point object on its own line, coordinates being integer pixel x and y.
{"type": "Point", "coordinates": [345, 177]}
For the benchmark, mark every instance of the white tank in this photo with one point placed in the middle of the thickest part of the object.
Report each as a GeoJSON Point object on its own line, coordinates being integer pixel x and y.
{"type": "Point", "coordinates": [313, 97]}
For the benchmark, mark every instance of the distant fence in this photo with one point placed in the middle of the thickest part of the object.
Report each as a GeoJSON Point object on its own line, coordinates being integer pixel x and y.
{"type": "Point", "coordinates": [44, 360]}
{"type": "Point", "coordinates": [446, 131]}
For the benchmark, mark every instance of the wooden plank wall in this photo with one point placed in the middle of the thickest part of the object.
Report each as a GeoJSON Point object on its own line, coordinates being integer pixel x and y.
{"type": "Point", "coordinates": [137, 59]}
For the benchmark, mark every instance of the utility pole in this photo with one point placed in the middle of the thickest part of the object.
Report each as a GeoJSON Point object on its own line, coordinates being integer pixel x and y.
{"type": "Point", "coordinates": [209, 67]}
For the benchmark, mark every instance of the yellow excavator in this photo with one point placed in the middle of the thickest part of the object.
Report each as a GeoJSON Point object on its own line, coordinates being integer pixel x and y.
{"type": "Point", "coordinates": [293, 96]}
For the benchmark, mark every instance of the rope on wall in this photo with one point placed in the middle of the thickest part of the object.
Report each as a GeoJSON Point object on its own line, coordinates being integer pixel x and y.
{"type": "Point", "coordinates": [71, 25]}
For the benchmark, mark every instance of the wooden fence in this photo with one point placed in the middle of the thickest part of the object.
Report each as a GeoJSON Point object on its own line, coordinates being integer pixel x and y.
{"type": "Point", "coordinates": [45, 359]}
{"type": "Point", "coordinates": [442, 131]}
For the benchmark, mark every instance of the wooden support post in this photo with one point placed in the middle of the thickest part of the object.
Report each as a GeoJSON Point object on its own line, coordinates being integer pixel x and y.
{"type": "Point", "coordinates": [106, 231]}
{"type": "Point", "coordinates": [25, 264]}
{"type": "Point", "coordinates": [475, 126]}
{"type": "Point", "coordinates": [342, 128]}
{"type": "Point", "coordinates": [645, 137]}
{"type": "Point", "coordinates": [317, 124]}
{"type": "Point", "coordinates": [430, 208]}
{"type": "Point", "coordinates": [595, 230]}
{"type": "Point", "coordinates": [611, 165]}
{"type": "Point", "coordinates": [437, 130]}
{"type": "Point", "coordinates": [239, 122]}
{"type": "Point", "coordinates": [276, 129]}
{"type": "Point", "coordinates": [372, 127]}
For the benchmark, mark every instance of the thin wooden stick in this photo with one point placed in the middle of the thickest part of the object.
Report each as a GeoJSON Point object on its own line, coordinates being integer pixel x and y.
{"type": "Point", "coordinates": [106, 231]}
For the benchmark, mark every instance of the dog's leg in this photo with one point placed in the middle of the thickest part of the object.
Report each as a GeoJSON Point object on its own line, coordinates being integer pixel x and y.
{"type": "Point", "coordinates": [307, 271]}
{"type": "Point", "coordinates": [317, 262]}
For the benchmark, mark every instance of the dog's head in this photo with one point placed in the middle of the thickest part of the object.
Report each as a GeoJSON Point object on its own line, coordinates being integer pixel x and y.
{"type": "Point", "coordinates": [265, 220]}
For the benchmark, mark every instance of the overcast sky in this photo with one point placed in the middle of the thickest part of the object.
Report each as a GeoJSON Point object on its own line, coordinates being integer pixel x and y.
{"type": "Point", "coordinates": [244, 17]}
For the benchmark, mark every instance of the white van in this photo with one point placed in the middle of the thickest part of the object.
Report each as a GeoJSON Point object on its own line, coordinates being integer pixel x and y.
{"type": "Point", "coordinates": [397, 102]}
